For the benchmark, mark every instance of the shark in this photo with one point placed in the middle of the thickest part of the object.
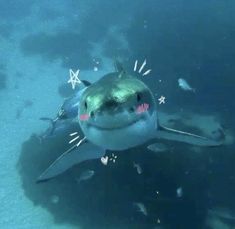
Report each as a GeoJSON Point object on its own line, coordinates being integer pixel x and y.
{"type": "Point", "coordinates": [117, 112]}
{"type": "Point", "coordinates": [66, 114]}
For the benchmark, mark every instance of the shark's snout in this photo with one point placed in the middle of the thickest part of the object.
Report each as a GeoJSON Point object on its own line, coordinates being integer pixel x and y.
{"type": "Point", "coordinates": [111, 104]}
{"type": "Point", "coordinates": [114, 115]}
{"type": "Point", "coordinates": [111, 107]}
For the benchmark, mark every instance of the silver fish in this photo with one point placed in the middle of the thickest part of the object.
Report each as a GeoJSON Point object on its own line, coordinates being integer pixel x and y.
{"type": "Point", "coordinates": [141, 208]}
{"type": "Point", "coordinates": [86, 175]}
{"type": "Point", "coordinates": [55, 199]}
{"type": "Point", "coordinates": [138, 168]}
{"type": "Point", "coordinates": [183, 84]}
{"type": "Point", "coordinates": [179, 192]}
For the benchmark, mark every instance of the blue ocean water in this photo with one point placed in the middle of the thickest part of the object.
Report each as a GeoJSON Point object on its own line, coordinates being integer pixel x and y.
{"type": "Point", "coordinates": [183, 186]}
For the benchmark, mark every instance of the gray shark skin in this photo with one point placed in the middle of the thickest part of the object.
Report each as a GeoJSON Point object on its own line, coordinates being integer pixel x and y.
{"type": "Point", "coordinates": [69, 109]}
{"type": "Point", "coordinates": [117, 112]}
{"type": "Point", "coordinates": [67, 112]}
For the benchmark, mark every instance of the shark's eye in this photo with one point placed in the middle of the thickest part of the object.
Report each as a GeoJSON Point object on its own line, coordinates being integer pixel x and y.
{"type": "Point", "coordinates": [92, 114]}
{"type": "Point", "coordinates": [85, 104]}
{"type": "Point", "coordinates": [138, 96]}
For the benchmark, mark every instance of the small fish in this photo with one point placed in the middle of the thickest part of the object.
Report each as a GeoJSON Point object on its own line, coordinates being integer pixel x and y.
{"type": "Point", "coordinates": [184, 85]}
{"type": "Point", "coordinates": [158, 147]}
{"type": "Point", "coordinates": [138, 168]}
{"type": "Point", "coordinates": [55, 199]}
{"type": "Point", "coordinates": [179, 192]}
{"type": "Point", "coordinates": [141, 208]}
{"type": "Point", "coordinates": [86, 175]}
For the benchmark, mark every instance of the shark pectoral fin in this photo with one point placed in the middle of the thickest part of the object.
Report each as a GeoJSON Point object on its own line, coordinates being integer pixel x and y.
{"type": "Point", "coordinates": [76, 154]}
{"type": "Point", "coordinates": [176, 135]}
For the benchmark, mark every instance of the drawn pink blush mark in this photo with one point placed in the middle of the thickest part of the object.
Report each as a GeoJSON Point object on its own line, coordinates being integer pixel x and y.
{"type": "Point", "coordinates": [84, 117]}
{"type": "Point", "coordinates": [142, 108]}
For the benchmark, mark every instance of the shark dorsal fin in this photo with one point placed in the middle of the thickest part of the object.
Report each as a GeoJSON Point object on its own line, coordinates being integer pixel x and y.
{"type": "Point", "coordinates": [118, 66]}
{"type": "Point", "coordinates": [86, 83]}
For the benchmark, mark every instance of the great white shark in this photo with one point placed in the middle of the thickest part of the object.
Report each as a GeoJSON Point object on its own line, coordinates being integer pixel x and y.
{"type": "Point", "coordinates": [117, 112]}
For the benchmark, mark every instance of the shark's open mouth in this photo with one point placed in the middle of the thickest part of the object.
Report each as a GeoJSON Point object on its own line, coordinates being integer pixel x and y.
{"type": "Point", "coordinates": [114, 128]}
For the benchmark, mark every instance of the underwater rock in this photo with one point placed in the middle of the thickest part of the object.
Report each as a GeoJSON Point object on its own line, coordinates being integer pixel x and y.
{"type": "Point", "coordinates": [74, 51]}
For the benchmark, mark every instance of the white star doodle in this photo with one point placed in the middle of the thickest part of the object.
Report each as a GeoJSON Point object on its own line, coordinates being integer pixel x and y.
{"type": "Point", "coordinates": [74, 78]}
{"type": "Point", "coordinates": [161, 100]}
